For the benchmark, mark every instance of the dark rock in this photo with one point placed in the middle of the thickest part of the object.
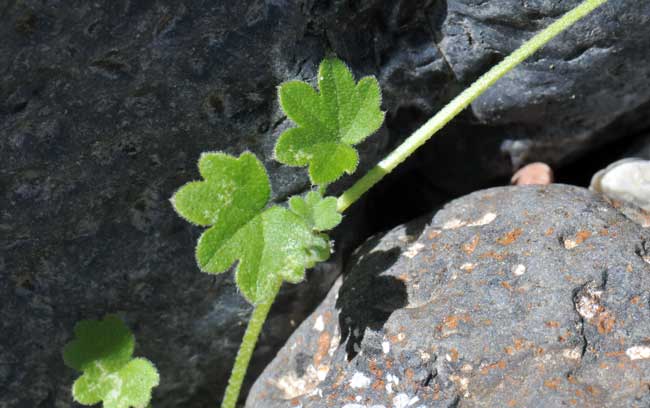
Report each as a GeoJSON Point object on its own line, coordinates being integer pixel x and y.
{"type": "Point", "coordinates": [512, 296]}
{"type": "Point", "coordinates": [106, 106]}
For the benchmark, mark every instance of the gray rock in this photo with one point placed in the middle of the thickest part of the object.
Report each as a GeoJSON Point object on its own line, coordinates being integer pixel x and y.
{"type": "Point", "coordinates": [105, 107]}
{"type": "Point", "coordinates": [531, 296]}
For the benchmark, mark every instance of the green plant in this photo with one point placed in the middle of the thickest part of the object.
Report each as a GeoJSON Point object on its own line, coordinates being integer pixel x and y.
{"type": "Point", "coordinates": [103, 351]}
{"type": "Point", "coordinates": [278, 244]}
{"type": "Point", "coordinates": [272, 244]}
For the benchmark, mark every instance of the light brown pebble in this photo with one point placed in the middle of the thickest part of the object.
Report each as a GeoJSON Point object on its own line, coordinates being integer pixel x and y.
{"type": "Point", "coordinates": [533, 173]}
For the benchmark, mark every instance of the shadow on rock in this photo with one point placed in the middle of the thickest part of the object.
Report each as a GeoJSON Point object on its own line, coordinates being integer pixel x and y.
{"type": "Point", "coordinates": [367, 299]}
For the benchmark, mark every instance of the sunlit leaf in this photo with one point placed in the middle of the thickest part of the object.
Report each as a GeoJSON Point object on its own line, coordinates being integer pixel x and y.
{"type": "Point", "coordinates": [103, 350]}
{"type": "Point", "coordinates": [270, 245]}
{"type": "Point", "coordinates": [330, 122]}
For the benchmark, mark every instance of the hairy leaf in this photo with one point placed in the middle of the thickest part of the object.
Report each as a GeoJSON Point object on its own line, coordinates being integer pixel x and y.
{"type": "Point", "coordinates": [320, 213]}
{"type": "Point", "coordinates": [330, 122]}
{"type": "Point", "coordinates": [103, 350]}
{"type": "Point", "coordinates": [270, 244]}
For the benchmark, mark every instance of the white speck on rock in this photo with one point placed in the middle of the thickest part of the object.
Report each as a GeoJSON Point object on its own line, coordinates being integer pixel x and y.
{"type": "Point", "coordinates": [570, 243]}
{"type": "Point", "coordinates": [392, 379]}
{"type": "Point", "coordinates": [389, 388]}
{"type": "Point", "coordinates": [456, 223]}
{"type": "Point", "coordinates": [319, 324]}
{"type": "Point", "coordinates": [588, 303]}
{"type": "Point", "coordinates": [413, 250]}
{"type": "Point", "coordinates": [402, 400]}
{"type": "Point", "coordinates": [453, 224]}
{"type": "Point", "coordinates": [638, 352]}
{"type": "Point", "coordinates": [353, 406]}
{"type": "Point", "coordinates": [572, 354]}
{"type": "Point", "coordinates": [518, 270]}
{"type": "Point", "coordinates": [359, 380]}
{"type": "Point", "coordinates": [468, 266]}
{"type": "Point", "coordinates": [484, 220]}
{"type": "Point", "coordinates": [385, 346]}
{"type": "Point", "coordinates": [358, 398]}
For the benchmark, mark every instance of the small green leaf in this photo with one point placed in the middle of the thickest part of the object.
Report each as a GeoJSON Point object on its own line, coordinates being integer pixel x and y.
{"type": "Point", "coordinates": [271, 245]}
{"type": "Point", "coordinates": [103, 350]}
{"type": "Point", "coordinates": [329, 123]}
{"type": "Point", "coordinates": [234, 190]}
{"type": "Point", "coordinates": [320, 213]}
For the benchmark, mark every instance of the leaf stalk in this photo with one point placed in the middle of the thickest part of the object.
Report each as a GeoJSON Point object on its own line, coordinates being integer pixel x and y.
{"type": "Point", "coordinates": [255, 324]}
{"type": "Point", "coordinates": [462, 101]}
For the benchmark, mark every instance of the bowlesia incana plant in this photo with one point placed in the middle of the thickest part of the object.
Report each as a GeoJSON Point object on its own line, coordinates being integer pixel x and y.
{"type": "Point", "coordinates": [103, 351]}
{"type": "Point", "coordinates": [270, 244]}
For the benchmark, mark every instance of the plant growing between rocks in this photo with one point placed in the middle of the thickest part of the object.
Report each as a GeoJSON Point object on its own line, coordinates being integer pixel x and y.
{"type": "Point", "coordinates": [272, 244]}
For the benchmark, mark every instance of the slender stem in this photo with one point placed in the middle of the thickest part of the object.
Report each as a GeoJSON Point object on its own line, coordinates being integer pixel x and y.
{"type": "Point", "coordinates": [322, 189]}
{"type": "Point", "coordinates": [462, 101]}
{"type": "Point", "coordinates": [246, 348]}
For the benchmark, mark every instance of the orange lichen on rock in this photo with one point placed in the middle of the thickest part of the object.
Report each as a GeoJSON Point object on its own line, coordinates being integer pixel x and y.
{"type": "Point", "coordinates": [553, 383]}
{"type": "Point", "coordinates": [510, 237]}
{"type": "Point", "coordinates": [470, 246]}
{"type": "Point", "coordinates": [580, 237]}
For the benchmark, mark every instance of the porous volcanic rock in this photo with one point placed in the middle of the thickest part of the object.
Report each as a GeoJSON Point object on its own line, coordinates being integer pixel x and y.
{"type": "Point", "coordinates": [533, 296]}
{"type": "Point", "coordinates": [106, 105]}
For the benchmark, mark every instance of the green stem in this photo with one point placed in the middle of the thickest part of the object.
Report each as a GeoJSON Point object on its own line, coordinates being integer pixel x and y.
{"type": "Point", "coordinates": [322, 189]}
{"type": "Point", "coordinates": [462, 101]}
{"type": "Point", "coordinates": [246, 348]}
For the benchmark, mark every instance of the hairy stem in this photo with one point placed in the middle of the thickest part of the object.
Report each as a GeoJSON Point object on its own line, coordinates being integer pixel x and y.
{"type": "Point", "coordinates": [246, 348]}
{"type": "Point", "coordinates": [462, 101]}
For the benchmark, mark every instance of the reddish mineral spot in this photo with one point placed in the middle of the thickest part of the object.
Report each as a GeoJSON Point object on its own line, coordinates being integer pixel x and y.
{"type": "Point", "coordinates": [605, 323]}
{"type": "Point", "coordinates": [553, 383]}
{"type": "Point", "coordinates": [470, 246]}
{"type": "Point", "coordinates": [510, 237]}
{"type": "Point", "coordinates": [323, 346]}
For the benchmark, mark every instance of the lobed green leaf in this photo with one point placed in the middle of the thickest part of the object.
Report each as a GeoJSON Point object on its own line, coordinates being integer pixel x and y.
{"type": "Point", "coordinates": [103, 350]}
{"type": "Point", "coordinates": [329, 123]}
{"type": "Point", "coordinates": [320, 213]}
{"type": "Point", "coordinates": [269, 245]}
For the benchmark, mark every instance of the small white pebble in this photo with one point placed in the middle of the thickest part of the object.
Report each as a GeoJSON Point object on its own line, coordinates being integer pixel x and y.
{"type": "Point", "coordinates": [358, 398]}
{"type": "Point", "coordinates": [385, 346]}
{"type": "Point", "coordinates": [519, 270]}
{"type": "Point", "coordinates": [359, 380]}
{"type": "Point", "coordinates": [392, 379]}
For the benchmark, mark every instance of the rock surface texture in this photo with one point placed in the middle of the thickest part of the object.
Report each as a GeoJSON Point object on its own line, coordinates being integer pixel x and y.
{"type": "Point", "coordinates": [533, 296]}
{"type": "Point", "coordinates": [105, 107]}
